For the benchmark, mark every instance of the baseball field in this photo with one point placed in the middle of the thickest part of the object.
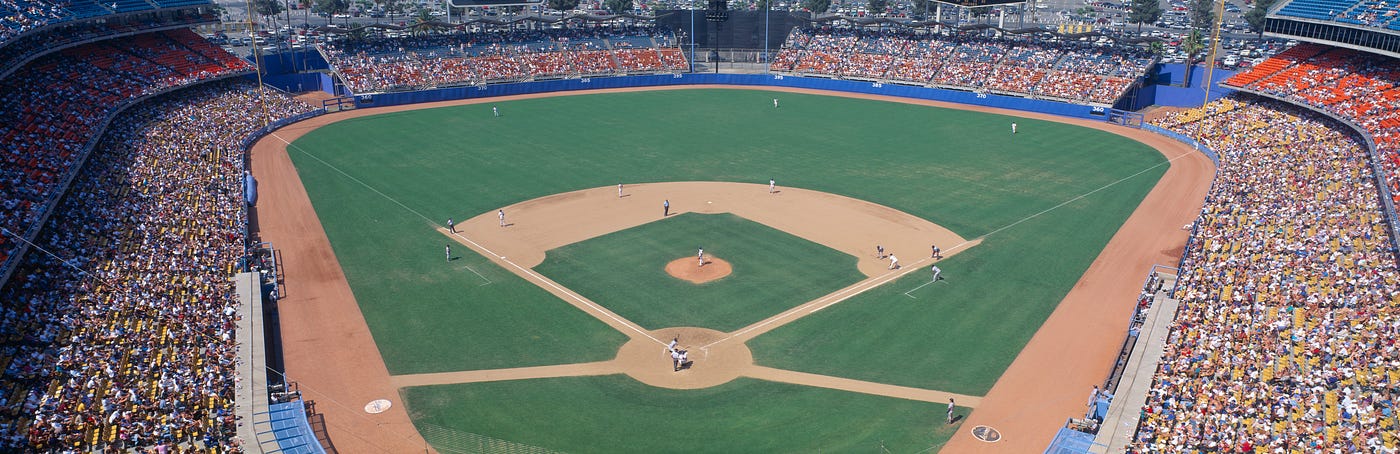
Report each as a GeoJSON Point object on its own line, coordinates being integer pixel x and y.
{"type": "Point", "coordinates": [549, 327]}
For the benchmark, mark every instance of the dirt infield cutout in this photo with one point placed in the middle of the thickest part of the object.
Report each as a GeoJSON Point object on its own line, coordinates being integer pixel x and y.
{"type": "Point", "coordinates": [689, 269]}
{"type": "Point", "coordinates": [535, 226]}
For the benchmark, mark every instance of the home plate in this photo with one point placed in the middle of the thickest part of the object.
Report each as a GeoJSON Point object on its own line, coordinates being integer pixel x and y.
{"type": "Point", "coordinates": [378, 406]}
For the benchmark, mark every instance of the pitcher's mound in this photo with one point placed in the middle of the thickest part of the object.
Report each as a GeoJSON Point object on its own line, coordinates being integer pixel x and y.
{"type": "Point", "coordinates": [688, 269]}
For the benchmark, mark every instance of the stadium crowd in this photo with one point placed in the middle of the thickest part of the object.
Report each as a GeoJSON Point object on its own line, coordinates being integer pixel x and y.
{"type": "Point", "coordinates": [1352, 85]}
{"type": "Point", "coordinates": [53, 107]}
{"type": "Point", "coordinates": [474, 58]}
{"type": "Point", "coordinates": [1290, 305]}
{"type": "Point", "coordinates": [19, 16]}
{"type": "Point", "coordinates": [1072, 71]}
{"type": "Point", "coordinates": [121, 328]}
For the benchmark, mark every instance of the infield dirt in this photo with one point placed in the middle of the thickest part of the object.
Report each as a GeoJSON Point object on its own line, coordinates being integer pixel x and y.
{"type": "Point", "coordinates": [329, 350]}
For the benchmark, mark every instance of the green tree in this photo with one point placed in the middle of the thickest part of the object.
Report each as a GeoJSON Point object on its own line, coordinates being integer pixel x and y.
{"type": "Point", "coordinates": [268, 8]}
{"type": "Point", "coordinates": [1192, 45]}
{"type": "Point", "coordinates": [983, 12]}
{"type": "Point", "coordinates": [1157, 48]}
{"type": "Point", "coordinates": [922, 8]}
{"type": "Point", "coordinates": [333, 7]}
{"type": "Point", "coordinates": [562, 5]}
{"type": "Point", "coordinates": [877, 7]}
{"type": "Point", "coordinates": [305, 11]}
{"type": "Point", "coordinates": [1255, 16]}
{"type": "Point", "coordinates": [618, 6]}
{"type": "Point", "coordinates": [817, 6]}
{"type": "Point", "coordinates": [1087, 12]}
{"type": "Point", "coordinates": [1144, 12]}
{"type": "Point", "coordinates": [1202, 14]}
{"type": "Point", "coordinates": [420, 25]}
{"type": "Point", "coordinates": [389, 6]}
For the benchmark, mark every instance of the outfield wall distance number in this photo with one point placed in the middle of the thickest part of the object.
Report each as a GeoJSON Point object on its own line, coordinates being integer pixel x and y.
{"type": "Point", "coordinates": [877, 85]}
{"type": "Point", "coordinates": [777, 77]}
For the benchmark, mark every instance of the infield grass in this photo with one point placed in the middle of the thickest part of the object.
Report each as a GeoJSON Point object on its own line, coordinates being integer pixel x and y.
{"type": "Point", "coordinates": [773, 271]}
{"type": "Point", "coordinates": [615, 414]}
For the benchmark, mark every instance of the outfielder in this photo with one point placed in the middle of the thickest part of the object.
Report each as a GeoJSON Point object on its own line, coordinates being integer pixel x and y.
{"type": "Point", "coordinates": [449, 253]}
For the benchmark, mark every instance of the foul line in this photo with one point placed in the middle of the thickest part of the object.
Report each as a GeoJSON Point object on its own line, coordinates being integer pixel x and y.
{"type": "Point", "coordinates": [850, 292]}
{"type": "Point", "coordinates": [916, 288]}
{"type": "Point", "coordinates": [526, 271]}
{"type": "Point", "coordinates": [488, 281]}
{"type": "Point", "coordinates": [1076, 198]}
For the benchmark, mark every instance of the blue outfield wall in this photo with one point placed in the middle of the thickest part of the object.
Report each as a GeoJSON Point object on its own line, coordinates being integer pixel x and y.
{"type": "Point", "coordinates": [1168, 92]}
{"type": "Point", "coordinates": [757, 80]}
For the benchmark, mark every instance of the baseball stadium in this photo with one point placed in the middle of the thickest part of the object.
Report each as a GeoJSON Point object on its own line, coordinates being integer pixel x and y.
{"type": "Point", "coordinates": [499, 226]}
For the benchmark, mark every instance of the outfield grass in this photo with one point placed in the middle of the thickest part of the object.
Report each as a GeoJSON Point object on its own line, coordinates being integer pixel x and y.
{"type": "Point", "coordinates": [615, 414]}
{"type": "Point", "coordinates": [773, 271]}
{"type": "Point", "coordinates": [962, 170]}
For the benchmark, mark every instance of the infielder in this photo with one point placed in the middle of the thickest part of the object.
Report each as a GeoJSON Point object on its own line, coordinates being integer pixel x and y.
{"type": "Point", "coordinates": [701, 255]}
{"type": "Point", "coordinates": [879, 251]}
{"type": "Point", "coordinates": [502, 215]}
{"type": "Point", "coordinates": [450, 226]}
{"type": "Point", "coordinates": [666, 208]}
{"type": "Point", "coordinates": [772, 184]}
{"type": "Point", "coordinates": [937, 272]}
{"type": "Point", "coordinates": [619, 190]}
{"type": "Point", "coordinates": [950, 410]}
{"type": "Point", "coordinates": [894, 261]}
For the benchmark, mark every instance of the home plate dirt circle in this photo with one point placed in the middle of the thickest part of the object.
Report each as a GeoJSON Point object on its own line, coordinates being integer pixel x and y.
{"type": "Point", "coordinates": [649, 362]}
{"type": "Point", "coordinates": [689, 269]}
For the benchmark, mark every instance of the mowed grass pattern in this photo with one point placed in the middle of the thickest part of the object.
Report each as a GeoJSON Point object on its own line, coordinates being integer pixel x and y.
{"type": "Point", "coordinates": [963, 170]}
{"type": "Point", "coordinates": [773, 271]}
{"type": "Point", "coordinates": [615, 414]}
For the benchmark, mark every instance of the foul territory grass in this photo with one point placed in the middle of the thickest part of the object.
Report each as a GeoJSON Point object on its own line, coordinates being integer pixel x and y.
{"type": "Point", "coordinates": [615, 414]}
{"type": "Point", "coordinates": [773, 271]}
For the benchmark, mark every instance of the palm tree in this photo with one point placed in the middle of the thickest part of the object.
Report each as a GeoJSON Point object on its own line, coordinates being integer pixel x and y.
{"type": "Point", "coordinates": [1193, 45]}
{"type": "Point", "coordinates": [421, 27]}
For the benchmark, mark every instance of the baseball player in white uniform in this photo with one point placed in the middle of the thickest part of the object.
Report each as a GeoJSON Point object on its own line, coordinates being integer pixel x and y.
{"type": "Point", "coordinates": [701, 255]}
{"type": "Point", "coordinates": [894, 261]}
{"type": "Point", "coordinates": [501, 214]}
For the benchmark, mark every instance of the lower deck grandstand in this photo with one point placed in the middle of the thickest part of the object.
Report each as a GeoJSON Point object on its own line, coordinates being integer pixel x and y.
{"type": "Point", "coordinates": [1069, 71]}
{"type": "Point", "coordinates": [477, 58]}
{"type": "Point", "coordinates": [1284, 340]}
{"type": "Point", "coordinates": [121, 323]}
